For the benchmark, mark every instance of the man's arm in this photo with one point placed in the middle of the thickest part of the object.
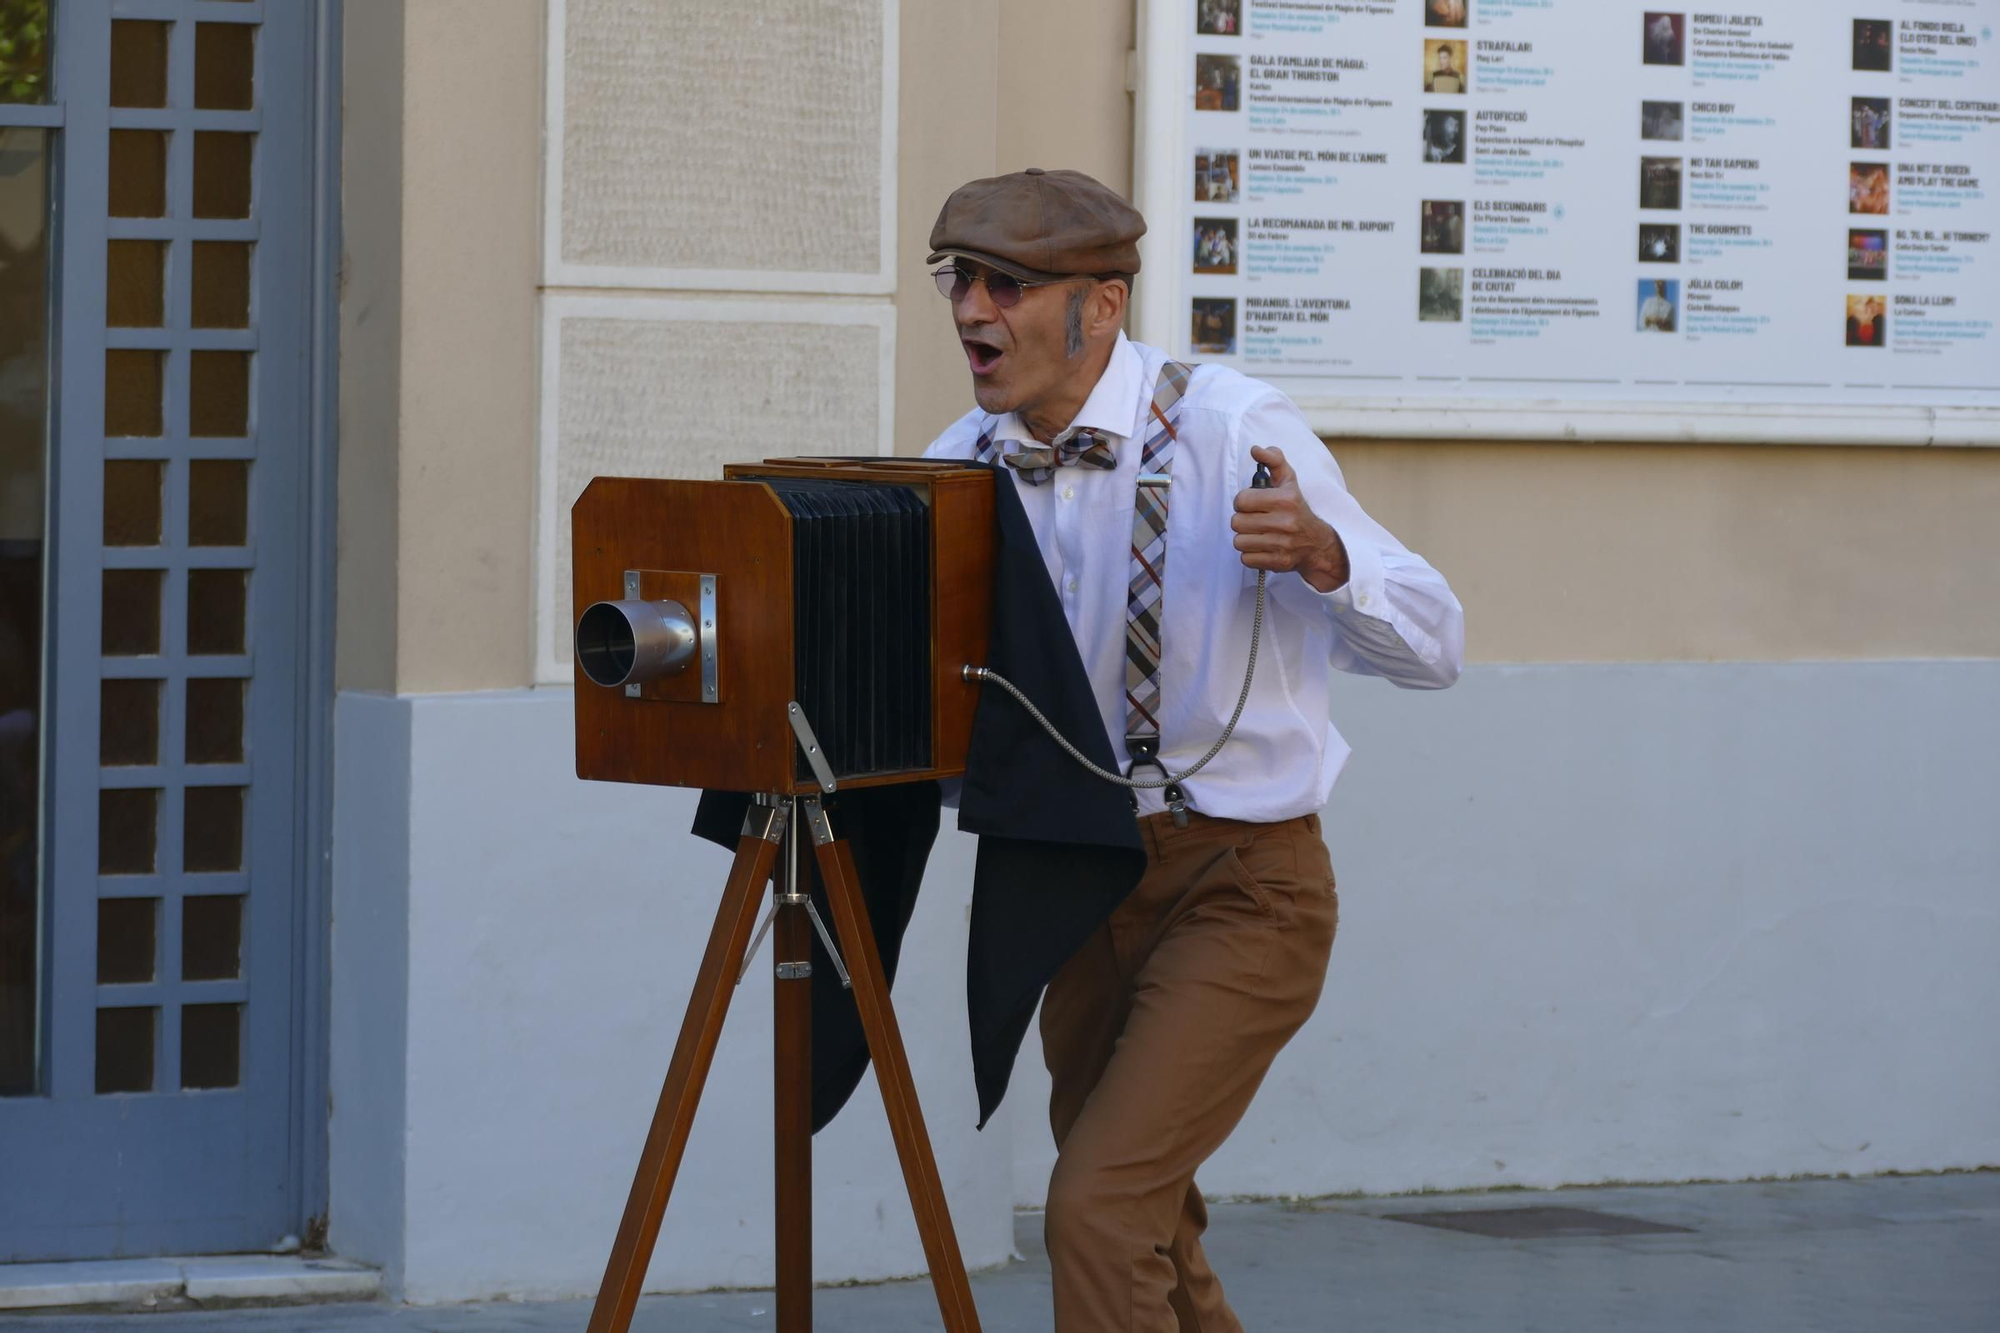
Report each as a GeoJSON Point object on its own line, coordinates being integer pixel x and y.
{"type": "Point", "coordinates": [1394, 615]}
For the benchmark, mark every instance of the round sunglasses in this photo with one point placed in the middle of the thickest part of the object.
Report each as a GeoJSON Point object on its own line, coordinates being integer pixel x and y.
{"type": "Point", "coordinates": [1005, 289]}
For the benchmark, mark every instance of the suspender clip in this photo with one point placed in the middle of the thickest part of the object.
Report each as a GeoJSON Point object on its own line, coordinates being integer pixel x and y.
{"type": "Point", "coordinates": [1146, 750]}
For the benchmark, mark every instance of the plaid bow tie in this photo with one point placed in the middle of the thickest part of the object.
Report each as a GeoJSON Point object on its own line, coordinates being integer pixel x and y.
{"type": "Point", "coordinates": [1038, 462]}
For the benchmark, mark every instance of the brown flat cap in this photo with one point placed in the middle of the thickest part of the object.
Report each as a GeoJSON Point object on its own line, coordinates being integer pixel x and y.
{"type": "Point", "coordinates": [1040, 224]}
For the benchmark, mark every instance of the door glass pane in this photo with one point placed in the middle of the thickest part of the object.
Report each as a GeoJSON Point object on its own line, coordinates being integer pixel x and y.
{"type": "Point", "coordinates": [214, 721]}
{"type": "Point", "coordinates": [24, 55]}
{"type": "Point", "coordinates": [224, 66]}
{"type": "Point", "coordinates": [125, 1039]}
{"type": "Point", "coordinates": [211, 1041]}
{"type": "Point", "coordinates": [218, 502]}
{"type": "Point", "coordinates": [24, 359]}
{"type": "Point", "coordinates": [132, 502]}
{"type": "Point", "coordinates": [138, 62]}
{"type": "Point", "coordinates": [138, 184]}
{"type": "Point", "coordinates": [134, 380]}
{"type": "Point", "coordinates": [215, 611]}
{"type": "Point", "coordinates": [135, 284]}
{"type": "Point", "coordinates": [221, 285]}
{"type": "Point", "coordinates": [128, 830]}
{"type": "Point", "coordinates": [219, 394]}
{"type": "Point", "coordinates": [212, 937]}
{"type": "Point", "coordinates": [128, 931]}
{"type": "Point", "coordinates": [221, 174]}
{"type": "Point", "coordinates": [128, 723]}
{"type": "Point", "coordinates": [212, 837]}
{"type": "Point", "coordinates": [131, 621]}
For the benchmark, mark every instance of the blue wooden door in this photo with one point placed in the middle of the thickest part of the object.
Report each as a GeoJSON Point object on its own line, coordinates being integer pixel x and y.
{"type": "Point", "coordinates": [163, 1106]}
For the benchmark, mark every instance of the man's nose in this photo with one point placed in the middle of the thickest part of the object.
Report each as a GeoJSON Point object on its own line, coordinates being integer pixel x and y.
{"type": "Point", "coordinates": [975, 307]}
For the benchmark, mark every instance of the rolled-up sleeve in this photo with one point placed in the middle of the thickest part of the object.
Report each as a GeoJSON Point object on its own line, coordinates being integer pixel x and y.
{"type": "Point", "coordinates": [1395, 617]}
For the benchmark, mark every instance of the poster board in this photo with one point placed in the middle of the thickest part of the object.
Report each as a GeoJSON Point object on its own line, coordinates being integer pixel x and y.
{"type": "Point", "coordinates": [1582, 218]}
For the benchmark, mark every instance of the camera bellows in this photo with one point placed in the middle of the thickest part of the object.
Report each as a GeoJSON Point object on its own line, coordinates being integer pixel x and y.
{"type": "Point", "coordinates": [861, 620]}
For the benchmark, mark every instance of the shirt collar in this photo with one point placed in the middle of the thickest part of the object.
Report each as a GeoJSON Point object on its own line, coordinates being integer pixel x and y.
{"type": "Point", "coordinates": [1110, 409]}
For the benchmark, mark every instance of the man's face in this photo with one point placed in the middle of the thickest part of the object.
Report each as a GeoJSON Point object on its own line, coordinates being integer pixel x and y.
{"type": "Point", "coordinates": [1018, 355]}
{"type": "Point", "coordinates": [1659, 288]}
{"type": "Point", "coordinates": [1444, 58]}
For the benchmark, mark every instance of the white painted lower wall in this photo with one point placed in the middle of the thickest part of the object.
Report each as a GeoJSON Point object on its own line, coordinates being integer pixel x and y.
{"type": "Point", "coordinates": [1598, 923]}
{"type": "Point", "coordinates": [554, 928]}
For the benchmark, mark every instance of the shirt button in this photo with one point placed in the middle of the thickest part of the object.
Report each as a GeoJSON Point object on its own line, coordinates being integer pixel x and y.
{"type": "Point", "coordinates": [1362, 601]}
{"type": "Point", "coordinates": [1069, 493]}
{"type": "Point", "coordinates": [1072, 585]}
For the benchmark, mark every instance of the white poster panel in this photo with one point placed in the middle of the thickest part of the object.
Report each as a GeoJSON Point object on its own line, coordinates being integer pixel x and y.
{"type": "Point", "coordinates": [1772, 221]}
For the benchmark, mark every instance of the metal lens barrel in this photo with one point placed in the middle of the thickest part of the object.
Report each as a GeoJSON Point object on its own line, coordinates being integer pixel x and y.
{"type": "Point", "coordinates": [628, 643]}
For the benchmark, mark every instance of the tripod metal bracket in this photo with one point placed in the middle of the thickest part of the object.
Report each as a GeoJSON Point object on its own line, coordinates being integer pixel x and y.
{"type": "Point", "coordinates": [765, 821]}
{"type": "Point", "coordinates": [815, 757]}
{"type": "Point", "coordinates": [794, 971]}
{"type": "Point", "coordinates": [822, 829]}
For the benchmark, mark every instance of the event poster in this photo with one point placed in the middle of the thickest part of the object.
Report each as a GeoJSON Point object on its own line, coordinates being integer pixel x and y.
{"type": "Point", "coordinates": [1780, 201]}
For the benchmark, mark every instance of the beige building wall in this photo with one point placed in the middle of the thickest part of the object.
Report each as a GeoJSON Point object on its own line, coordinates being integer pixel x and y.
{"type": "Point", "coordinates": [1561, 551]}
{"type": "Point", "coordinates": [1695, 553]}
{"type": "Point", "coordinates": [440, 187]}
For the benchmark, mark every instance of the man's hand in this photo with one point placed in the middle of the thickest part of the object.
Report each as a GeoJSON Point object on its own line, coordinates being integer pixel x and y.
{"type": "Point", "coordinates": [1277, 530]}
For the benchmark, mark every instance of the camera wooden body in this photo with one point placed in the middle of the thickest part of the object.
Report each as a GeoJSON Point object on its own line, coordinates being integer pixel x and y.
{"type": "Point", "coordinates": [729, 551]}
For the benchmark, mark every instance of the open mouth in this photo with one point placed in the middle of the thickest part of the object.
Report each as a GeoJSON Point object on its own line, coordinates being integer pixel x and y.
{"type": "Point", "coordinates": [983, 356]}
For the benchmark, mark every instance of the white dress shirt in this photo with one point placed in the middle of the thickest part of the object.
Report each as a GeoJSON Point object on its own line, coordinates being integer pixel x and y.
{"type": "Point", "coordinates": [1395, 617]}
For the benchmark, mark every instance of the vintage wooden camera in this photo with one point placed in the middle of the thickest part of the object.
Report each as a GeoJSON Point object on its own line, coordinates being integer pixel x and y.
{"type": "Point", "coordinates": [838, 595]}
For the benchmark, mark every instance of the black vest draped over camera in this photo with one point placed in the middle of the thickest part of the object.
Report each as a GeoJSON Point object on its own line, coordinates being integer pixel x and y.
{"type": "Point", "coordinates": [1058, 848]}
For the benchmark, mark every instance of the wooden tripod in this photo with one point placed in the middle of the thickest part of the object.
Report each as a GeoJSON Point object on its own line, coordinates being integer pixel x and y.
{"type": "Point", "coordinates": [773, 829]}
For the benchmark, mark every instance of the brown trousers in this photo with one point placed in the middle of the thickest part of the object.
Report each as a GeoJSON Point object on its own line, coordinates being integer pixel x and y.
{"type": "Point", "coordinates": [1157, 1035]}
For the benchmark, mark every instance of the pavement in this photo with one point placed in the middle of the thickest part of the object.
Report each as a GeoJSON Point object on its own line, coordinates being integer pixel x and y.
{"type": "Point", "coordinates": [1829, 1256]}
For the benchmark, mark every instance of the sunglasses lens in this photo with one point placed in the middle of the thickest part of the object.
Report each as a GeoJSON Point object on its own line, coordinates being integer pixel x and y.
{"type": "Point", "coordinates": [954, 283]}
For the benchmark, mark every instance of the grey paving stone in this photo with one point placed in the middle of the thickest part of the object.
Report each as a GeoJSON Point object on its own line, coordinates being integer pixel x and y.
{"type": "Point", "coordinates": [1862, 1256]}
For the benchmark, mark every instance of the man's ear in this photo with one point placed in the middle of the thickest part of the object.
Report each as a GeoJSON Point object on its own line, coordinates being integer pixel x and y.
{"type": "Point", "coordinates": [1107, 309]}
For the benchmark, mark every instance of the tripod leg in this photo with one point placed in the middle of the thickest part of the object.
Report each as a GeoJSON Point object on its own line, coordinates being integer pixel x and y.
{"type": "Point", "coordinates": [792, 1082]}
{"type": "Point", "coordinates": [693, 1053]}
{"type": "Point", "coordinates": [892, 1072]}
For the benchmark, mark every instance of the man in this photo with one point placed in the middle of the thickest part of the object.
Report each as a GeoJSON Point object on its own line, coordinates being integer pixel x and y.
{"type": "Point", "coordinates": [1441, 137]}
{"type": "Point", "coordinates": [1656, 312]}
{"type": "Point", "coordinates": [1159, 1029]}
{"type": "Point", "coordinates": [1444, 78]}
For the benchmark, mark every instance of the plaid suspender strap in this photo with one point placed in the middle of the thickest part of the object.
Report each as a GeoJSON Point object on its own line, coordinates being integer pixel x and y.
{"type": "Point", "coordinates": [984, 450]}
{"type": "Point", "coordinates": [1145, 594]}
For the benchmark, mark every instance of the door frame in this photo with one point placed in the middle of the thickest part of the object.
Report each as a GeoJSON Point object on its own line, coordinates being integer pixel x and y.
{"type": "Point", "coordinates": [313, 965]}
